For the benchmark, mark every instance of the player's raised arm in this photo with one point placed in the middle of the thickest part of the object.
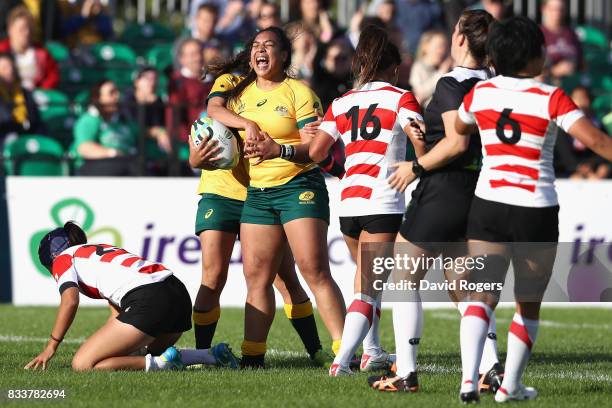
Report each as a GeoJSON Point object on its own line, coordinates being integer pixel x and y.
{"type": "Point", "coordinates": [65, 316]}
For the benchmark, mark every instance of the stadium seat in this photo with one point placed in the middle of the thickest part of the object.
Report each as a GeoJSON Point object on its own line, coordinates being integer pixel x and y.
{"type": "Point", "coordinates": [35, 155]}
{"type": "Point", "coordinates": [58, 51]}
{"type": "Point", "coordinates": [144, 36]}
{"type": "Point", "coordinates": [602, 105]}
{"type": "Point", "coordinates": [113, 54]}
{"type": "Point", "coordinates": [160, 56]}
{"type": "Point", "coordinates": [122, 77]}
{"type": "Point", "coordinates": [51, 103]}
{"type": "Point", "coordinates": [592, 37]}
{"type": "Point", "coordinates": [74, 79]}
{"type": "Point", "coordinates": [598, 60]}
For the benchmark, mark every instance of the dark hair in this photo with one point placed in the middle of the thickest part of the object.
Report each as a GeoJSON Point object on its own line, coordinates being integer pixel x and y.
{"type": "Point", "coordinates": [240, 63]}
{"type": "Point", "coordinates": [374, 54]}
{"type": "Point", "coordinates": [475, 26]}
{"type": "Point", "coordinates": [211, 8]}
{"type": "Point", "coordinates": [58, 240]}
{"type": "Point", "coordinates": [95, 91]}
{"type": "Point", "coordinates": [513, 43]}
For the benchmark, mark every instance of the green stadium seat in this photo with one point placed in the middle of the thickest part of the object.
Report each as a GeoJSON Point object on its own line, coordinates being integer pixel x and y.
{"type": "Point", "coordinates": [81, 101]}
{"type": "Point", "coordinates": [602, 105]}
{"type": "Point", "coordinates": [51, 103]}
{"type": "Point", "coordinates": [592, 37]}
{"type": "Point", "coordinates": [35, 155]}
{"type": "Point", "coordinates": [109, 54]}
{"type": "Point", "coordinates": [122, 77]}
{"type": "Point", "coordinates": [58, 51]}
{"type": "Point", "coordinates": [160, 56]}
{"type": "Point", "coordinates": [74, 79]}
{"type": "Point", "coordinates": [598, 60]}
{"type": "Point", "coordinates": [142, 37]}
{"type": "Point", "coordinates": [607, 122]}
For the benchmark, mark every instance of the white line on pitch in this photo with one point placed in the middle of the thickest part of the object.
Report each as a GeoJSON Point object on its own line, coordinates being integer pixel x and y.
{"type": "Point", "coordinates": [543, 323]}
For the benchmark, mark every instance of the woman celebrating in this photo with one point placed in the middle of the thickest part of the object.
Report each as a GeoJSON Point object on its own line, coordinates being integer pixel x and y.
{"type": "Point", "coordinates": [371, 120]}
{"type": "Point", "coordinates": [429, 217]}
{"type": "Point", "coordinates": [150, 307]}
{"type": "Point", "coordinates": [287, 198]}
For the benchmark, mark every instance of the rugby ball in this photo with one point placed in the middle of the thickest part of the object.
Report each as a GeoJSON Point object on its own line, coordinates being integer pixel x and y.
{"type": "Point", "coordinates": [206, 127]}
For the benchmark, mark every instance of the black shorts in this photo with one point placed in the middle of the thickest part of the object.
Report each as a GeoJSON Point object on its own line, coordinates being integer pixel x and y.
{"type": "Point", "coordinates": [498, 222]}
{"type": "Point", "coordinates": [157, 308]}
{"type": "Point", "coordinates": [374, 224]}
{"type": "Point", "coordinates": [439, 208]}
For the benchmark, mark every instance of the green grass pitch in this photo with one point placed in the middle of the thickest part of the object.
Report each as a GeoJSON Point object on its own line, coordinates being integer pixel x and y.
{"type": "Point", "coordinates": [571, 366]}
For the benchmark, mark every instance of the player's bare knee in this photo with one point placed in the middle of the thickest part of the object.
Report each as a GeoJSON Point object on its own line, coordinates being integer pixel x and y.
{"type": "Point", "coordinates": [82, 364]}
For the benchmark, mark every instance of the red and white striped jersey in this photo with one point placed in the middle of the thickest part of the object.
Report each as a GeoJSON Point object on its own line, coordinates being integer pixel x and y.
{"type": "Point", "coordinates": [103, 271]}
{"type": "Point", "coordinates": [518, 119]}
{"type": "Point", "coordinates": [370, 121]}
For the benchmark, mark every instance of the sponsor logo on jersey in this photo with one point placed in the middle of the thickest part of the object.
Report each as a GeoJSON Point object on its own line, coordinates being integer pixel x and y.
{"type": "Point", "coordinates": [241, 107]}
{"type": "Point", "coordinates": [261, 103]}
{"type": "Point", "coordinates": [307, 197]}
{"type": "Point", "coordinates": [209, 213]}
{"type": "Point", "coordinates": [281, 110]}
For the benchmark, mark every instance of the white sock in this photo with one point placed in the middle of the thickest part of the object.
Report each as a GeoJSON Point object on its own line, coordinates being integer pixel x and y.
{"type": "Point", "coordinates": [356, 325]}
{"type": "Point", "coordinates": [371, 343]}
{"type": "Point", "coordinates": [408, 328]}
{"type": "Point", "coordinates": [472, 334]}
{"type": "Point", "coordinates": [197, 356]}
{"type": "Point", "coordinates": [521, 337]}
{"type": "Point", "coordinates": [489, 352]}
{"type": "Point", "coordinates": [153, 363]}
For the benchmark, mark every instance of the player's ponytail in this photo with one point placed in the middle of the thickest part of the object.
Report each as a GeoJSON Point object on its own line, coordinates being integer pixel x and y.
{"type": "Point", "coordinates": [475, 25]}
{"type": "Point", "coordinates": [374, 54]}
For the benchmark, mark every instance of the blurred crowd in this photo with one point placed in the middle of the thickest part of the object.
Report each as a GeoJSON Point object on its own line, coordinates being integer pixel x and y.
{"type": "Point", "coordinates": [107, 98]}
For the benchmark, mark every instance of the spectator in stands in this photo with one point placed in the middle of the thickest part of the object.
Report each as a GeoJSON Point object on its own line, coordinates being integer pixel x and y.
{"type": "Point", "coordinates": [590, 165]}
{"type": "Point", "coordinates": [104, 141]}
{"type": "Point", "coordinates": [314, 16]}
{"type": "Point", "coordinates": [234, 22]}
{"type": "Point", "coordinates": [563, 49]}
{"type": "Point", "coordinates": [18, 111]}
{"type": "Point", "coordinates": [203, 28]}
{"type": "Point", "coordinates": [143, 106]}
{"type": "Point", "coordinates": [269, 15]}
{"type": "Point", "coordinates": [186, 92]}
{"type": "Point", "coordinates": [36, 67]}
{"type": "Point", "coordinates": [332, 74]}
{"type": "Point", "coordinates": [85, 22]}
{"type": "Point", "coordinates": [46, 17]}
{"type": "Point", "coordinates": [497, 8]}
{"type": "Point", "coordinates": [432, 61]}
{"type": "Point", "coordinates": [414, 17]}
{"type": "Point", "coordinates": [387, 11]}
{"type": "Point", "coordinates": [304, 51]}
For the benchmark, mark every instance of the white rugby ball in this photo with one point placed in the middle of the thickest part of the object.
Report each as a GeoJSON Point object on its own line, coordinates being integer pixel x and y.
{"type": "Point", "coordinates": [206, 127]}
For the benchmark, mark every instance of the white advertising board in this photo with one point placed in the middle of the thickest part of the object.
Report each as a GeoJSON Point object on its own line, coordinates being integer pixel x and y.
{"type": "Point", "coordinates": [154, 218]}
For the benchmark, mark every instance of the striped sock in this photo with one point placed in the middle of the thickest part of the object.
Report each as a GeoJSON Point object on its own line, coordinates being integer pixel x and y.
{"type": "Point", "coordinates": [473, 331]}
{"type": "Point", "coordinates": [489, 352]}
{"type": "Point", "coordinates": [356, 325]}
{"type": "Point", "coordinates": [204, 326]}
{"type": "Point", "coordinates": [303, 321]}
{"type": "Point", "coordinates": [253, 353]}
{"type": "Point", "coordinates": [521, 337]}
{"type": "Point", "coordinates": [371, 343]}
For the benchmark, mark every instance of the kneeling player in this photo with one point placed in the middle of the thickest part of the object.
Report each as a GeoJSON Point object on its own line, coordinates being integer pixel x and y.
{"type": "Point", "coordinates": [151, 307]}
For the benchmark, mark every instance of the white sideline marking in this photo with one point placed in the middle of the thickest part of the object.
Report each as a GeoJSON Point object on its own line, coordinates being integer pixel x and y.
{"type": "Point", "coordinates": [543, 323]}
{"type": "Point", "coordinates": [429, 368]}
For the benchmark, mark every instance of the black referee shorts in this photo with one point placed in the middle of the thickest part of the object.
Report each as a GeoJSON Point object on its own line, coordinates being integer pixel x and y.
{"type": "Point", "coordinates": [498, 222]}
{"type": "Point", "coordinates": [374, 224]}
{"type": "Point", "coordinates": [158, 308]}
{"type": "Point", "coordinates": [439, 208]}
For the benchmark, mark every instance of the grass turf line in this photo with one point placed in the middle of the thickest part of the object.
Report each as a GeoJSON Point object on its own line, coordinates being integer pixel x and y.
{"type": "Point", "coordinates": [571, 365]}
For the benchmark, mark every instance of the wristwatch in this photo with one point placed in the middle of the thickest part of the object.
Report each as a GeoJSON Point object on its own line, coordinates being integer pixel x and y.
{"type": "Point", "coordinates": [417, 169]}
